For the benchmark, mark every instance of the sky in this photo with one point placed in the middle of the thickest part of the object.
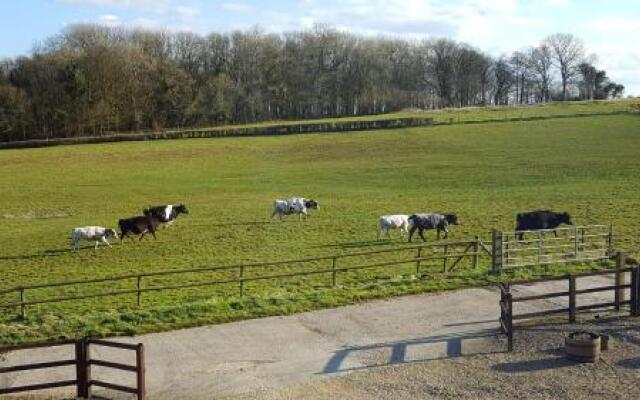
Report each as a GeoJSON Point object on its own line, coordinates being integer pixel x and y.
{"type": "Point", "coordinates": [610, 29]}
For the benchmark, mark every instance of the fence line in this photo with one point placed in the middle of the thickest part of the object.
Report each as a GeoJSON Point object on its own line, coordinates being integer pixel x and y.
{"type": "Point", "coordinates": [451, 254]}
{"type": "Point", "coordinates": [505, 251]}
{"type": "Point", "coordinates": [507, 299]}
{"type": "Point", "coordinates": [82, 361]}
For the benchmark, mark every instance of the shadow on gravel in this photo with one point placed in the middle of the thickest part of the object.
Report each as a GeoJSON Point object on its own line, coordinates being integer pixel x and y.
{"type": "Point", "coordinates": [630, 363]}
{"type": "Point", "coordinates": [416, 350]}
{"type": "Point", "coordinates": [533, 365]}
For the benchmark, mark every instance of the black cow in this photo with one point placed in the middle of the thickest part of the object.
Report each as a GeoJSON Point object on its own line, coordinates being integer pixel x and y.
{"type": "Point", "coordinates": [166, 214]}
{"type": "Point", "coordinates": [431, 221]}
{"type": "Point", "coordinates": [140, 225]}
{"type": "Point", "coordinates": [540, 219]}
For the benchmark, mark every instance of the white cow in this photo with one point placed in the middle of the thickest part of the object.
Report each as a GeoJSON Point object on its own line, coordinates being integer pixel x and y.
{"type": "Point", "coordinates": [90, 233]}
{"type": "Point", "coordinates": [388, 222]}
{"type": "Point", "coordinates": [294, 205]}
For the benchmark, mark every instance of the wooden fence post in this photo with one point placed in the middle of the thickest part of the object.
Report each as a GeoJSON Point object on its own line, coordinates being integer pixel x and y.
{"type": "Point", "coordinates": [476, 249]}
{"type": "Point", "coordinates": [139, 278]}
{"type": "Point", "coordinates": [572, 299]}
{"type": "Point", "coordinates": [510, 321]}
{"type": "Point", "coordinates": [444, 258]}
{"type": "Point", "coordinates": [333, 271]}
{"type": "Point", "coordinates": [23, 307]}
{"type": "Point", "coordinates": [418, 255]}
{"type": "Point", "coordinates": [635, 291]}
{"type": "Point", "coordinates": [496, 247]}
{"type": "Point", "coordinates": [87, 367]}
{"type": "Point", "coordinates": [575, 241]}
{"type": "Point", "coordinates": [140, 372]}
{"type": "Point", "coordinates": [619, 292]}
{"type": "Point", "coordinates": [241, 280]}
{"type": "Point", "coordinates": [81, 369]}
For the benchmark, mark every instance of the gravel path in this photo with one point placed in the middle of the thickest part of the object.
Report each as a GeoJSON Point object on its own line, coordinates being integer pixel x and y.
{"type": "Point", "coordinates": [537, 369]}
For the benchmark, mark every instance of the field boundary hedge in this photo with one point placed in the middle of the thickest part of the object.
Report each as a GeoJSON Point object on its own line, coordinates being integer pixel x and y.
{"type": "Point", "coordinates": [273, 130]}
{"type": "Point", "coordinates": [285, 129]}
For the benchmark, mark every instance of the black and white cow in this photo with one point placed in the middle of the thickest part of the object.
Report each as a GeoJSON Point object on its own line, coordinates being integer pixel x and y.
{"type": "Point", "coordinates": [540, 219]}
{"type": "Point", "coordinates": [426, 221]}
{"type": "Point", "coordinates": [294, 205]}
{"type": "Point", "coordinates": [140, 225]}
{"type": "Point", "coordinates": [166, 214]}
{"type": "Point", "coordinates": [91, 233]}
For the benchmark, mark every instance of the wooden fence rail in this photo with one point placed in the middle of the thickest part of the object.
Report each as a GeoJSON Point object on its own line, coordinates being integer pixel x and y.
{"type": "Point", "coordinates": [507, 299]}
{"type": "Point", "coordinates": [450, 253]}
{"type": "Point", "coordinates": [82, 361]}
{"type": "Point", "coordinates": [502, 250]}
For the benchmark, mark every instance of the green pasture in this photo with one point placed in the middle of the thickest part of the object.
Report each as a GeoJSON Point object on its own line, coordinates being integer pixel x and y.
{"type": "Point", "coordinates": [485, 172]}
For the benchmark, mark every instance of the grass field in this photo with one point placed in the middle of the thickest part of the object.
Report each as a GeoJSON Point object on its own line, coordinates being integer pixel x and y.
{"type": "Point", "coordinates": [485, 172]}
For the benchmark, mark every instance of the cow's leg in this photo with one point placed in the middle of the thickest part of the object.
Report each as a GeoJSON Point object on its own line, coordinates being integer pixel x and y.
{"type": "Point", "coordinates": [446, 233]}
{"type": "Point", "coordinates": [96, 247]}
{"type": "Point", "coordinates": [421, 233]}
{"type": "Point", "coordinates": [142, 235]}
{"type": "Point", "coordinates": [411, 232]}
{"type": "Point", "coordinates": [153, 233]}
{"type": "Point", "coordinates": [104, 240]}
{"type": "Point", "coordinates": [555, 233]}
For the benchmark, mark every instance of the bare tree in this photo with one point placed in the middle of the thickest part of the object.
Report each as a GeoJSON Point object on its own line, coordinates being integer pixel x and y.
{"type": "Point", "coordinates": [540, 62]}
{"type": "Point", "coordinates": [568, 52]}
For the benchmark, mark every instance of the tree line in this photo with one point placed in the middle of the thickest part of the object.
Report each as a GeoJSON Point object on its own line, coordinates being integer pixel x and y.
{"type": "Point", "coordinates": [91, 79]}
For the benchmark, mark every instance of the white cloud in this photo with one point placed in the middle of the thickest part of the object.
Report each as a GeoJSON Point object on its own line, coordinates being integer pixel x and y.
{"type": "Point", "coordinates": [109, 20]}
{"type": "Point", "coordinates": [148, 5]}
{"type": "Point", "coordinates": [236, 7]}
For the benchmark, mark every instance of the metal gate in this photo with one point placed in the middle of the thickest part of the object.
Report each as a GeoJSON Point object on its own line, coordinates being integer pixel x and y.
{"type": "Point", "coordinates": [572, 244]}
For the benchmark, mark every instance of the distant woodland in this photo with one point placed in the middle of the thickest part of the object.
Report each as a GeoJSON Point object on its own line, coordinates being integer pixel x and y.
{"type": "Point", "coordinates": [93, 80]}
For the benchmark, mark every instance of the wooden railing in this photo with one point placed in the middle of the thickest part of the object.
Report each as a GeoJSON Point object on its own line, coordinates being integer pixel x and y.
{"type": "Point", "coordinates": [451, 254]}
{"type": "Point", "coordinates": [82, 361]}
{"type": "Point", "coordinates": [507, 299]}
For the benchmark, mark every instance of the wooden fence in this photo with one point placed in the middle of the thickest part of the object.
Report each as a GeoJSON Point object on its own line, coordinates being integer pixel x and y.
{"type": "Point", "coordinates": [505, 253]}
{"type": "Point", "coordinates": [450, 255]}
{"type": "Point", "coordinates": [574, 244]}
{"type": "Point", "coordinates": [83, 361]}
{"type": "Point", "coordinates": [507, 299]}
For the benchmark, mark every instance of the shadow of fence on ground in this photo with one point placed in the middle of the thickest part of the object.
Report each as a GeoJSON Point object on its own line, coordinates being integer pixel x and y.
{"type": "Point", "coordinates": [429, 348]}
{"type": "Point", "coordinates": [534, 365]}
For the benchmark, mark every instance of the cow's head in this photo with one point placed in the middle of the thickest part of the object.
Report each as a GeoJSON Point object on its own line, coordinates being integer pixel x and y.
{"type": "Point", "coordinates": [451, 218]}
{"type": "Point", "coordinates": [110, 233]}
{"type": "Point", "coordinates": [309, 203]}
{"type": "Point", "coordinates": [565, 218]}
{"type": "Point", "coordinates": [181, 209]}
